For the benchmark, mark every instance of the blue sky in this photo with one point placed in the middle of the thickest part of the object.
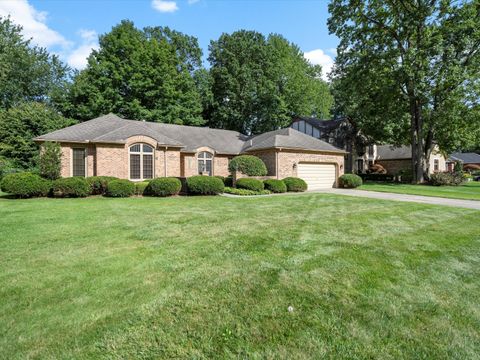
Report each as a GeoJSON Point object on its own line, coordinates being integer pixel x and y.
{"type": "Point", "coordinates": [71, 28]}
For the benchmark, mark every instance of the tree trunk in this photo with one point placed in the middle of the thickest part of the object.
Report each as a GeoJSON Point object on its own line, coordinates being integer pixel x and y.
{"type": "Point", "coordinates": [429, 145]}
{"type": "Point", "coordinates": [418, 154]}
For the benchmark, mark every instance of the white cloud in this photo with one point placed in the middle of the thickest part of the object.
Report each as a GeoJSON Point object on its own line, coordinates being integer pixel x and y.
{"type": "Point", "coordinates": [77, 58]}
{"type": "Point", "coordinates": [318, 57]}
{"type": "Point", "coordinates": [34, 23]}
{"type": "Point", "coordinates": [165, 5]}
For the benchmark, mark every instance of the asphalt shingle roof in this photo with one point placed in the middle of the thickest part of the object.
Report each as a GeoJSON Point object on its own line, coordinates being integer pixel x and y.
{"type": "Point", "coordinates": [113, 129]}
{"type": "Point", "coordinates": [389, 152]}
{"type": "Point", "coordinates": [466, 158]}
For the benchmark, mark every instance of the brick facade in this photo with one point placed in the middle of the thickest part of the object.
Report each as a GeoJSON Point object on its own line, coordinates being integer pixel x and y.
{"type": "Point", "coordinates": [113, 160]}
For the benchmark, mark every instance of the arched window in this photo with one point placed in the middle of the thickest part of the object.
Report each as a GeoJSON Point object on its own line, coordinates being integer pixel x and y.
{"type": "Point", "coordinates": [141, 161]}
{"type": "Point", "coordinates": [205, 163]}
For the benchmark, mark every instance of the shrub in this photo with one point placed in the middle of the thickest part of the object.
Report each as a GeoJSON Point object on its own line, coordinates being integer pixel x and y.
{"type": "Point", "coordinates": [442, 179]}
{"type": "Point", "coordinates": [25, 185]}
{"type": "Point", "coordinates": [7, 166]}
{"type": "Point", "coordinates": [245, 192]}
{"type": "Point", "coordinates": [295, 184]}
{"type": "Point", "coordinates": [140, 187]}
{"type": "Point", "coordinates": [71, 187]}
{"type": "Point", "coordinates": [405, 176]}
{"type": "Point", "coordinates": [228, 181]}
{"type": "Point", "coordinates": [50, 161]}
{"type": "Point", "coordinates": [120, 188]}
{"type": "Point", "coordinates": [221, 178]}
{"type": "Point", "coordinates": [250, 184]}
{"type": "Point", "coordinates": [248, 164]}
{"type": "Point", "coordinates": [350, 181]}
{"type": "Point", "coordinates": [275, 186]}
{"type": "Point", "coordinates": [166, 186]}
{"type": "Point", "coordinates": [204, 185]}
{"type": "Point", "coordinates": [377, 169]}
{"type": "Point", "coordinates": [98, 184]}
{"type": "Point", "coordinates": [471, 167]}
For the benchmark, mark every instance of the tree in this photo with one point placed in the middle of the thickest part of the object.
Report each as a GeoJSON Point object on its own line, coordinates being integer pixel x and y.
{"type": "Point", "coordinates": [407, 72]}
{"type": "Point", "coordinates": [259, 83]}
{"type": "Point", "coordinates": [140, 74]}
{"type": "Point", "coordinates": [50, 163]}
{"type": "Point", "coordinates": [27, 73]}
{"type": "Point", "coordinates": [20, 124]}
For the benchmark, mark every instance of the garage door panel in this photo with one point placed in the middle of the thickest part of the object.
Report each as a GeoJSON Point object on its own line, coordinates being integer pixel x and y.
{"type": "Point", "coordinates": [317, 176]}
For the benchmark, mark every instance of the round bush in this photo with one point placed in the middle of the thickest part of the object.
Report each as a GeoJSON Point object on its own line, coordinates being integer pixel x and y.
{"type": "Point", "coordinates": [275, 186]}
{"type": "Point", "coordinates": [98, 184]}
{"type": "Point", "coordinates": [248, 164]}
{"type": "Point", "coordinates": [25, 185]}
{"type": "Point", "coordinates": [71, 187]}
{"type": "Point", "coordinates": [120, 188]}
{"type": "Point", "coordinates": [166, 186]}
{"type": "Point", "coordinates": [204, 185]}
{"type": "Point", "coordinates": [350, 181]}
{"type": "Point", "coordinates": [249, 184]}
{"type": "Point", "coordinates": [140, 188]}
{"type": "Point", "coordinates": [228, 181]}
{"type": "Point", "coordinates": [295, 184]}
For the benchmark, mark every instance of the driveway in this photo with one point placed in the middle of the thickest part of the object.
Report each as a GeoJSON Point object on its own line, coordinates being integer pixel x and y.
{"type": "Point", "coordinates": [469, 204]}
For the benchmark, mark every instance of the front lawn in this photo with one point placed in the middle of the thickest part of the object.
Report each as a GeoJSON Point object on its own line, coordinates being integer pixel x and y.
{"type": "Point", "coordinates": [467, 191]}
{"type": "Point", "coordinates": [213, 277]}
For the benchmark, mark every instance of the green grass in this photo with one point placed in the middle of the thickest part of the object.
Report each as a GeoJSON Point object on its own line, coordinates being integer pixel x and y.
{"type": "Point", "coordinates": [468, 191]}
{"type": "Point", "coordinates": [212, 277]}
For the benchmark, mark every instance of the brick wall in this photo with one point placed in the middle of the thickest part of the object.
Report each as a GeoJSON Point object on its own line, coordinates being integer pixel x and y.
{"type": "Point", "coordinates": [112, 160]}
{"type": "Point", "coordinates": [269, 158]}
{"type": "Point", "coordinates": [393, 167]}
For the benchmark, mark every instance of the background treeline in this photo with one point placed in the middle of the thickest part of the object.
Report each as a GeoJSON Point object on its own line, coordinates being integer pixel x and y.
{"type": "Point", "coordinates": [253, 83]}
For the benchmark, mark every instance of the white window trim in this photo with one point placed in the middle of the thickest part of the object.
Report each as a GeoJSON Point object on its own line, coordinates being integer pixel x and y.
{"type": "Point", "coordinates": [212, 159]}
{"type": "Point", "coordinates": [71, 160]}
{"type": "Point", "coordinates": [141, 153]}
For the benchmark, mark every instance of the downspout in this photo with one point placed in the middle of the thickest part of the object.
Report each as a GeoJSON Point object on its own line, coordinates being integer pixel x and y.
{"type": "Point", "coordinates": [276, 161]}
{"type": "Point", "coordinates": [165, 160]}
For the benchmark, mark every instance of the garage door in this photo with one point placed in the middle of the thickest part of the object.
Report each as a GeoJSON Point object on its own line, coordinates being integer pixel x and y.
{"type": "Point", "coordinates": [317, 176]}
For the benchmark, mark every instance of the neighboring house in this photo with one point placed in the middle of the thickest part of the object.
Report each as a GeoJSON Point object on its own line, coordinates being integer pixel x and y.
{"type": "Point", "coordinates": [137, 150]}
{"type": "Point", "coordinates": [359, 157]}
{"type": "Point", "coordinates": [464, 158]}
{"type": "Point", "coordinates": [396, 159]}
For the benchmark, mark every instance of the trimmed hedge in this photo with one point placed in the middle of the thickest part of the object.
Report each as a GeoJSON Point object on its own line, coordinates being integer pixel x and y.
{"type": "Point", "coordinates": [250, 184]}
{"type": "Point", "coordinates": [71, 187]}
{"type": "Point", "coordinates": [443, 179]}
{"type": "Point", "coordinates": [275, 186]}
{"type": "Point", "coordinates": [98, 184]}
{"type": "Point", "coordinates": [166, 186]}
{"type": "Point", "coordinates": [120, 188]}
{"type": "Point", "coordinates": [248, 164]}
{"type": "Point", "coordinates": [245, 192]}
{"type": "Point", "coordinates": [295, 184]}
{"type": "Point", "coordinates": [25, 185]}
{"type": "Point", "coordinates": [350, 181]}
{"type": "Point", "coordinates": [140, 187]}
{"type": "Point", "coordinates": [205, 185]}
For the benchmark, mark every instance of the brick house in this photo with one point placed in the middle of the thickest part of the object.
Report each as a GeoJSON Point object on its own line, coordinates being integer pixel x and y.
{"type": "Point", "coordinates": [137, 150]}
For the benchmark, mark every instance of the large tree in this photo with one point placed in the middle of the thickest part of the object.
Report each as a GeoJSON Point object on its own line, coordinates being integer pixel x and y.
{"type": "Point", "coordinates": [20, 124]}
{"type": "Point", "coordinates": [407, 72]}
{"type": "Point", "coordinates": [27, 72]}
{"type": "Point", "coordinates": [259, 83]}
{"type": "Point", "coordinates": [140, 74]}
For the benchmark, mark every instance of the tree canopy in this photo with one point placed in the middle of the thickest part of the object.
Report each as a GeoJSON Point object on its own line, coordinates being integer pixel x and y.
{"type": "Point", "coordinates": [140, 74]}
{"type": "Point", "coordinates": [259, 83]}
{"type": "Point", "coordinates": [27, 72]}
{"type": "Point", "coordinates": [407, 72]}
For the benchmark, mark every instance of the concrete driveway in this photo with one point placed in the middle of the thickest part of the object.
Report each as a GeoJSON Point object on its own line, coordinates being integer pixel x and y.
{"type": "Point", "coordinates": [469, 204]}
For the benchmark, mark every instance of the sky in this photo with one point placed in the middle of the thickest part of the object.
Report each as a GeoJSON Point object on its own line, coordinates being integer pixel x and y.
{"type": "Point", "coordinates": [70, 28]}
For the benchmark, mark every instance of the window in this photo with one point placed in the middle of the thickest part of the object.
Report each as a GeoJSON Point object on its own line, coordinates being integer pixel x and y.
{"type": "Point", "coordinates": [205, 163]}
{"type": "Point", "coordinates": [436, 165]}
{"type": "Point", "coordinates": [141, 162]}
{"type": "Point", "coordinates": [78, 162]}
{"type": "Point", "coordinates": [371, 151]}
{"type": "Point", "coordinates": [360, 166]}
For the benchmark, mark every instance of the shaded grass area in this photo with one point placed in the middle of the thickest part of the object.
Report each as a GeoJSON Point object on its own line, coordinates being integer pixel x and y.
{"type": "Point", "coordinates": [468, 191]}
{"type": "Point", "coordinates": [212, 277]}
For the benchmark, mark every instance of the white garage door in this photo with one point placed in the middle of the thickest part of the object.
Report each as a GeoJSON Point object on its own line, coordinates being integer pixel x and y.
{"type": "Point", "coordinates": [317, 176]}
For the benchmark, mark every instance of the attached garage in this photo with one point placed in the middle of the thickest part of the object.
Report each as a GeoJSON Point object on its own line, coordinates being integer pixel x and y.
{"type": "Point", "coordinates": [317, 176]}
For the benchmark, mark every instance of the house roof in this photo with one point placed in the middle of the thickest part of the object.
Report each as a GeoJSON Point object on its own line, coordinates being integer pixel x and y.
{"type": "Point", "coordinates": [466, 158]}
{"type": "Point", "coordinates": [390, 152]}
{"type": "Point", "coordinates": [288, 138]}
{"type": "Point", "coordinates": [113, 129]}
